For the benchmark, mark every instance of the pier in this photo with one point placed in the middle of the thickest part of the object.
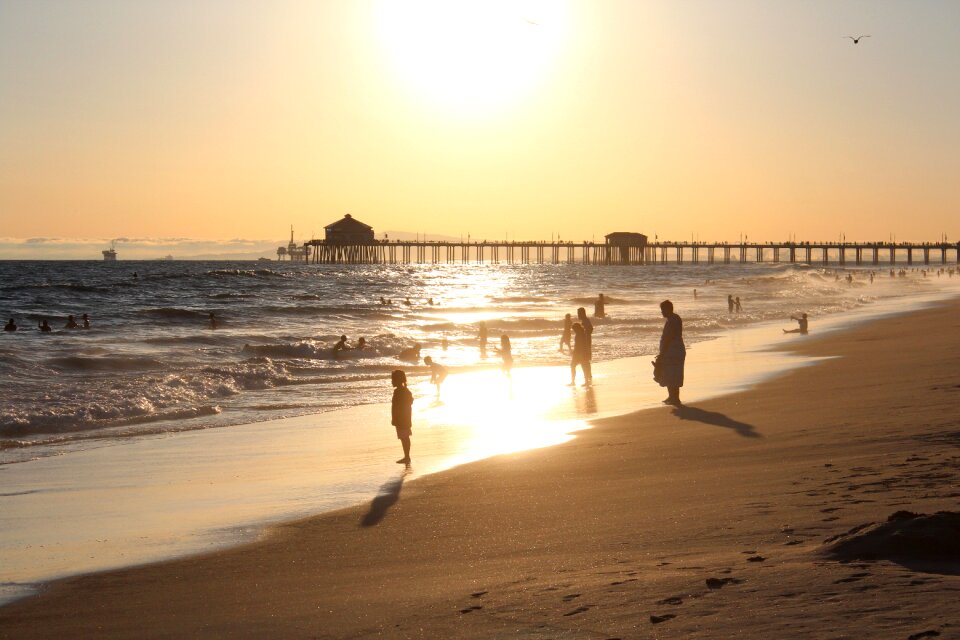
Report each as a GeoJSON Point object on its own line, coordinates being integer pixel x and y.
{"type": "Point", "coordinates": [647, 253]}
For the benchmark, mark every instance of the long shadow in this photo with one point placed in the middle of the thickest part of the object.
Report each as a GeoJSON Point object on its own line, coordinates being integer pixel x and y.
{"type": "Point", "coordinates": [386, 498]}
{"type": "Point", "coordinates": [717, 419]}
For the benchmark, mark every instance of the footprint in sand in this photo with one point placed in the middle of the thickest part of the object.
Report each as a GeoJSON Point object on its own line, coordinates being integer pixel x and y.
{"type": "Point", "coordinates": [576, 611]}
{"type": "Point", "coordinates": [663, 618]}
{"type": "Point", "coordinates": [756, 559]}
{"type": "Point", "coordinates": [571, 596]}
{"type": "Point", "coordinates": [671, 600]}
{"type": "Point", "coordinates": [856, 577]}
{"type": "Point", "coordinates": [924, 634]}
{"type": "Point", "coordinates": [619, 582]}
{"type": "Point", "coordinates": [478, 594]}
{"type": "Point", "coordinates": [719, 583]}
{"type": "Point", "coordinates": [475, 607]}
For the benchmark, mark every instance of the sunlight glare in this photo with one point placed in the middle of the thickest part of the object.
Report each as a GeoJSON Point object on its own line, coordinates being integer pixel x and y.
{"type": "Point", "coordinates": [496, 415]}
{"type": "Point", "coordinates": [469, 56]}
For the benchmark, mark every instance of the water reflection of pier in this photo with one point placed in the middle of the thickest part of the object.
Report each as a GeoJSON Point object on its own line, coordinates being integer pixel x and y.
{"type": "Point", "coordinates": [534, 252]}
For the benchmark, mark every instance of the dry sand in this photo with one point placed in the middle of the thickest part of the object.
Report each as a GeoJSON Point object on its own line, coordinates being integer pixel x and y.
{"type": "Point", "coordinates": [710, 521]}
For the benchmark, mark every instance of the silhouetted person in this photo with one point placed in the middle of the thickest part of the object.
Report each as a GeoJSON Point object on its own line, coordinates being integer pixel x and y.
{"type": "Point", "coordinates": [506, 354]}
{"type": "Point", "coordinates": [340, 346]}
{"type": "Point", "coordinates": [668, 368]}
{"type": "Point", "coordinates": [600, 307]}
{"type": "Point", "coordinates": [411, 355]}
{"type": "Point", "coordinates": [444, 343]}
{"type": "Point", "coordinates": [730, 304]}
{"type": "Point", "coordinates": [383, 300]}
{"type": "Point", "coordinates": [802, 321]}
{"type": "Point", "coordinates": [71, 323]}
{"type": "Point", "coordinates": [402, 412]}
{"type": "Point", "coordinates": [86, 321]}
{"type": "Point", "coordinates": [10, 326]}
{"type": "Point", "coordinates": [213, 321]}
{"type": "Point", "coordinates": [45, 326]}
{"type": "Point", "coordinates": [694, 294]}
{"type": "Point", "coordinates": [579, 356]}
{"type": "Point", "coordinates": [430, 301]}
{"type": "Point", "coordinates": [483, 337]}
{"type": "Point", "coordinates": [438, 373]}
{"type": "Point", "coordinates": [736, 303]}
{"type": "Point", "coordinates": [361, 344]}
{"type": "Point", "coordinates": [588, 334]}
{"type": "Point", "coordinates": [135, 276]}
{"type": "Point", "coordinates": [567, 328]}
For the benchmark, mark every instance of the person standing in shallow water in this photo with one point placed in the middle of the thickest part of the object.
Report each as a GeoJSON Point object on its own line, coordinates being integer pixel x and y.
{"type": "Point", "coordinates": [567, 328]}
{"type": "Point", "coordinates": [483, 337]}
{"type": "Point", "coordinates": [579, 356]}
{"type": "Point", "coordinates": [668, 369]}
{"type": "Point", "coordinates": [401, 413]}
{"type": "Point", "coordinates": [506, 352]}
{"type": "Point", "coordinates": [588, 340]}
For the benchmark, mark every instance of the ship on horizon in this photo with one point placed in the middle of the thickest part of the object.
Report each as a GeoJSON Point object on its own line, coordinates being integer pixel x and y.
{"type": "Point", "coordinates": [110, 255]}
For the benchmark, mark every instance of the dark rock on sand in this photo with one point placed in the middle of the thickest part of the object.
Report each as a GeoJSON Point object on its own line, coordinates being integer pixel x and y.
{"type": "Point", "coordinates": [905, 535]}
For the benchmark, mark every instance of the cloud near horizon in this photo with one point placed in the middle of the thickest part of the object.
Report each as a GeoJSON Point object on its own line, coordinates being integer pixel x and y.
{"type": "Point", "coordinates": [41, 248]}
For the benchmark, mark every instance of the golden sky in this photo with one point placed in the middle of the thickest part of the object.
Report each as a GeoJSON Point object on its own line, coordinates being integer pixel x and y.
{"type": "Point", "coordinates": [210, 119]}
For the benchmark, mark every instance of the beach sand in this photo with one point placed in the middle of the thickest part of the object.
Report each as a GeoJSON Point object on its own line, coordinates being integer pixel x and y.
{"type": "Point", "coordinates": [707, 521]}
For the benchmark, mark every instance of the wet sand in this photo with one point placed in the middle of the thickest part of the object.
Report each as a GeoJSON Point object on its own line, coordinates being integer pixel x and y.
{"type": "Point", "coordinates": [707, 521]}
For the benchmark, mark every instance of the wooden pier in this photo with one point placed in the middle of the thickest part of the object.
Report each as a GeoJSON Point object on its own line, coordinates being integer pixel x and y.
{"type": "Point", "coordinates": [533, 252]}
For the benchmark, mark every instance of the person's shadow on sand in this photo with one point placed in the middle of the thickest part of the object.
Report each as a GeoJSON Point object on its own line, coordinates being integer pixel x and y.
{"type": "Point", "coordinates": [685, 412]}
{"type": "Point", "coordinates": [386, 498]}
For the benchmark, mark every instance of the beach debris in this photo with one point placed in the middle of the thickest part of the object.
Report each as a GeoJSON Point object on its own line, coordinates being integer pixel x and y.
{"type": "Point", "coordinates": [756, 559]}
{"type": "Point", "coordinates": [930, 633]}
{"type": "Point", "coordinates": [904, 536]}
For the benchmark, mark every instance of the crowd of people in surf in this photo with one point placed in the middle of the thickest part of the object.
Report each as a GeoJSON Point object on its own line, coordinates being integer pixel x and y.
{"type": "Point", "coordinates": [577, 337]}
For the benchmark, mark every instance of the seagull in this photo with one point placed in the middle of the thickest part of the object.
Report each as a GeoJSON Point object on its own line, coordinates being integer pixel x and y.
{"type": "Point", "coordinates": [857, 39]}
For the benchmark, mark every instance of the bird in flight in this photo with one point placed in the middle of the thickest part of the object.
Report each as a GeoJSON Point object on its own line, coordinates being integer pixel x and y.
{"type": "Point", "coordinates": [857, 39]}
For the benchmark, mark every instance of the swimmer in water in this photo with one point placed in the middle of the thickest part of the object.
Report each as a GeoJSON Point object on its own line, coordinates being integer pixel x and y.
{"type": "Point", "coordinates": [45, 326]}
{"type": "Point", "coordinates": [410, 355]}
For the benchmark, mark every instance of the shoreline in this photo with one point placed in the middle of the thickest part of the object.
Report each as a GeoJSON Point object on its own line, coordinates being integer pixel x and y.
{"type": "Point", "coordinates": [655, 523]}
{"type": "Point", "coordinates": [752, 342]}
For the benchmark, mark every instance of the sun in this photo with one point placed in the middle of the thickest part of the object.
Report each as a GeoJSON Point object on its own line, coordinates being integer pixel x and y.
{"type": "Point", "coordinates": [471, 56]}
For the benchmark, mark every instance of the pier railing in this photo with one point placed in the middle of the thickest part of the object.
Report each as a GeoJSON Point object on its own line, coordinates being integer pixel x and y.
{"type": "Point", "coordinates": [533, 252]}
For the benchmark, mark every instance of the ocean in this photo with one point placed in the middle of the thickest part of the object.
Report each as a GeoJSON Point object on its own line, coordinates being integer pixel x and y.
{"type": "Point", "coordinates": [150, 364]}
